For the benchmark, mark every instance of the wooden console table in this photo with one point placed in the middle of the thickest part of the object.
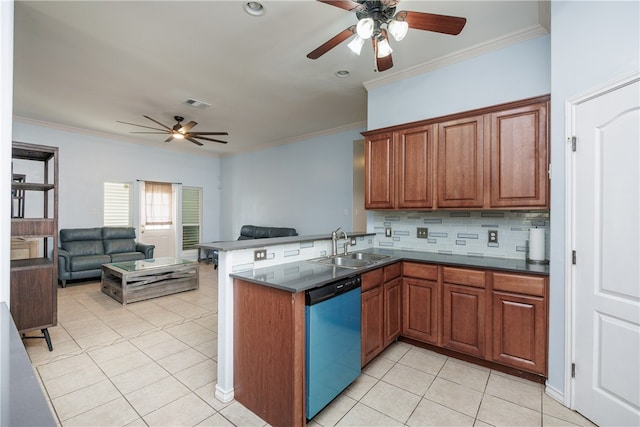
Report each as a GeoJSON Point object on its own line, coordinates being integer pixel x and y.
{"type": "Point", "coordinates": [132, 281]}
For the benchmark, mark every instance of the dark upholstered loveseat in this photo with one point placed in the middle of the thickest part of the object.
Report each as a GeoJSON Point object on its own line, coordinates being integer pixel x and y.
{"type": "Point", "coordinates": [257, 232]}
{"type": "Point", "coordinates": [82, 251]}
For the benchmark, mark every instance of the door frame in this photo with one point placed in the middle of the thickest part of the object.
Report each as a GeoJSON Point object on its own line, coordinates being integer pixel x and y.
{"type": "Point", "coordinates": [570, 232]}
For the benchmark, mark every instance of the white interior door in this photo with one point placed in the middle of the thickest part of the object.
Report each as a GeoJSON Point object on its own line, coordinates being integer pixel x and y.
{"type": "Point", "coordinates": [158, 229]}
{"type": "Point", "coordinates": [606, 238]}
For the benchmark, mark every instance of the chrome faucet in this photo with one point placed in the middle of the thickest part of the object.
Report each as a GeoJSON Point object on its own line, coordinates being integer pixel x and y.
{"type": "Point", "coordinates": [334, 241]}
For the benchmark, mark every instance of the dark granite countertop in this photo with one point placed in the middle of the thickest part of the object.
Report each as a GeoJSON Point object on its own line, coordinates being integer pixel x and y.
{"type": "Point", "coordinates": [234, 245]}
{"type": "Point", "coordinates": [303, 275]}
{"type": "Point", "coordinates": [23, 401]}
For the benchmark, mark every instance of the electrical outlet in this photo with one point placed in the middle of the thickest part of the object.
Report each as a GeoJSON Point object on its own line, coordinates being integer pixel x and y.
{"type": "Point", "coordinates": [259, 254]}
{"type": "Point", "coordinates": [387, 232]}
{"type": "Point", "coordinates": [353, 241]}
{"type": "Point", "coordinates": [423, 233]}
{"type": "Point", "coordinates": [493, 236]}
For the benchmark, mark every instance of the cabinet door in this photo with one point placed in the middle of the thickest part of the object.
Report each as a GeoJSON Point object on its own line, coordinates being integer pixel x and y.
{"type": "Point", "coordinates": [414, 167]}
{"type": "Point", "coordinates": [392, 310]}
{"type": "Point", "coordinates": [420, 320]}
{"type": "Point", "coordinates": [520, 321]}
{"type": "Point", "coordinates": [33, 297]}
{"type": "Point", "coordinates": [460, 163]}
{"type": "Point", "coordinates": [464, 319]}
{"type": "Point", "coordinates": [379, 172]}
{"type": "Point", "coordinates": [519, 157]}
{"type": "Point", "coordinates": [372, 325]}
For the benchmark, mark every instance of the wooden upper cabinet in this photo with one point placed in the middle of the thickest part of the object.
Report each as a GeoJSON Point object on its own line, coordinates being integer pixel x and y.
{"type": "Point", "coordinates": [461, 163]}
{"type": "Point", "coordinates": [519, 157]}
{"type": "Point", "coordinates": [379, 172]}
{"type": "Point", "coordinates": [414, 167]}
{"type": "Point", "coordinates": [490, 158]}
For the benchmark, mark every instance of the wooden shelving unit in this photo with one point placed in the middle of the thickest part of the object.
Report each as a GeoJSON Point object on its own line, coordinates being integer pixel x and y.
{"type": "Point", "coordinates": [34, 280]}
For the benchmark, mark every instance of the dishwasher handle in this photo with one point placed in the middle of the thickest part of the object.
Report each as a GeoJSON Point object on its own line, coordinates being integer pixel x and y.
{"type": "Point", "coordinates": [331, 290]}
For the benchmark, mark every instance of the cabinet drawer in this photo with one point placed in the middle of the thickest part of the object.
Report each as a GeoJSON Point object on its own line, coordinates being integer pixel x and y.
{"type": "Point", "coordinates": [520, 284]}
{"type": "Point", "coordinates": [462, 276]}
{"type": "Point", "coordinates": [372, 279]}
{"type": "Point", "coordinates": [420, 271]}
{"type": "Point", "coordinates": [392, 271]}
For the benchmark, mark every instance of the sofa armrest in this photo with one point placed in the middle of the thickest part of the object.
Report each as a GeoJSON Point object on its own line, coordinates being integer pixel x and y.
{"type": "Point", "coordinates": [147, 250]}
{"type": "Point", "coordinates": [64, 260]}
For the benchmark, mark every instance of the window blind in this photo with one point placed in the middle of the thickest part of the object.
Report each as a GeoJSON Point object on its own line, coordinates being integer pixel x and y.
{"type": "Point", "coordinates": [190, 217]}
{"type": "Point", "coordinates": [117, 202]}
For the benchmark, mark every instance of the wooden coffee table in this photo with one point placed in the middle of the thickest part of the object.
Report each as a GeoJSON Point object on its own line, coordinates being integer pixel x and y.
{"type": "Point", "coordinates": [132, 281]}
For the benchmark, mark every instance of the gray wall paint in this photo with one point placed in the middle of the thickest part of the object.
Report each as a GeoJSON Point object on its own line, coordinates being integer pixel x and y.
{"type": "Point", "coordinates": [86, 162]}
{"type": "Point", "coordinates": [307, 185]}
{"type": "Point", "coordinates": [593, 43]}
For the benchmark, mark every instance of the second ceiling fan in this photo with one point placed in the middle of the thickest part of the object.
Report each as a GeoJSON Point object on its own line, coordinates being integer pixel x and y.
{"type": "Point", "coordinates": [179, 131]}
{"type": "Point", "coordinates": [377, 19]}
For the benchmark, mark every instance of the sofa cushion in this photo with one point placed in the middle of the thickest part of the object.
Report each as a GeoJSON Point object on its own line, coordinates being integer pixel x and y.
{"type": "Point", "coordinates": [282, 232]}
{"type": "Point", "coordinates": [118, 233]}
{"type": "Point", "coordinates": [89, 262]}
{"type": "Point", "coordinates": [258, 232]}
{"type": "Point", "coordinates": [84, 247]}
{"type": "Point", "coordinates": [77, 234]}
{"type": "Point", "coordinates": [114, 246]}
{"type": "Point", "coordinates": [126, 256]}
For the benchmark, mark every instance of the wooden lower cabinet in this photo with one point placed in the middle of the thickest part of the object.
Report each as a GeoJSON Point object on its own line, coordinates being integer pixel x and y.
{"type": "Point", "coordinates": [381, 310]}
{"type": "Point", "coordinates": [392, 310]}
{"type": "Point", "coordinates": [420, 302]}
{"type": "Point", "coordinates": [269, 347]}
{"type": "Point", "coordinates": [520, 321]}
{"type": "Point", "coordinates": [463, 310]}
{"type": "Point", "coordinates": [372, 326]}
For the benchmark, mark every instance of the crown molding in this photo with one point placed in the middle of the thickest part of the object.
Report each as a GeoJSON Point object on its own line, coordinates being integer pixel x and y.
{"type": "Point", "coordinates": [459, 56]}
{"type": "Point", "coordinates": [111, 136]}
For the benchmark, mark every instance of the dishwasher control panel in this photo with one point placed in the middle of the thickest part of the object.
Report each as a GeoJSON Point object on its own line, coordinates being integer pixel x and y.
{"type": "Point", "coordinates": [330, 290]}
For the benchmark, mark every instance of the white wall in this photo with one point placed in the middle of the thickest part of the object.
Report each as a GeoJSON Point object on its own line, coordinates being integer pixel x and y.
{"type": "Point", "coordinates": [306, 185]}
{"type": "Point", "coordinates": [593, 43]}
{"type": "Point", "coordinates": [6, 112]}
{"type": "Point", "coordinates": [87, 161]}
{"type": "Point", "coordinates": [508, 74]}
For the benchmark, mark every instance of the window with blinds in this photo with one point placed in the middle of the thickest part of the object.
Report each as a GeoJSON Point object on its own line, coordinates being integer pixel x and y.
{"type": "Point", "coordinates": [190, 217]}
{"type": "Point", "coordinates": [117, 204]}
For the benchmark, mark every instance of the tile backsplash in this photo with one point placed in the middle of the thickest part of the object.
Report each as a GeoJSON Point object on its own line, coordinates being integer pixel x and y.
{"type": "Point", "coordinates": [461, 232]}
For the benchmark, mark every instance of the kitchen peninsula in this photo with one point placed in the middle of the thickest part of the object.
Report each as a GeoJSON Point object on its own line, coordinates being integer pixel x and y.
{"type": "Point", "coordinates": [504, 299]}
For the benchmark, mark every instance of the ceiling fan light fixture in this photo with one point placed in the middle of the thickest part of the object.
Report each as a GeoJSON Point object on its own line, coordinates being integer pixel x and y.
{"type": "Point", "coordinates": [356, 44]}
{"type": "Point", "coordinates": [365, 28]}
{"type": "Point", "coordinates": [398, 29]}
{"type": "Point", "coordinates": [178, 135]}
{"type": "Point", "coordinates": [384, 49]}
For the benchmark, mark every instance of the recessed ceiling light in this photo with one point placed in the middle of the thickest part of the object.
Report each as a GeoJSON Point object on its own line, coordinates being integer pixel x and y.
{"type": "Point", "coordinates": [254, 8]}
{"type": "Point", "coordinates": [343, 73]}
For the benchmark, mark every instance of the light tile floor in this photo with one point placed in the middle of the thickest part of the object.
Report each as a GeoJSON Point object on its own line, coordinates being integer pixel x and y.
{"type": "Point", "coordinates": [154, 363]}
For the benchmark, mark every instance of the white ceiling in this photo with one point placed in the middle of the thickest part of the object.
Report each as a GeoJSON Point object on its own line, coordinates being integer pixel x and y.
{"type": "Point", "coordinates": [84, 65]}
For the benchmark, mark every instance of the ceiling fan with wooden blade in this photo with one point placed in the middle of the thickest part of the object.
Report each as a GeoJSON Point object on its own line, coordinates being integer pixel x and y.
{"type": "Point", "coordinates": [178, 131]}
{"type": "Point", "coordinates": [377, 19]}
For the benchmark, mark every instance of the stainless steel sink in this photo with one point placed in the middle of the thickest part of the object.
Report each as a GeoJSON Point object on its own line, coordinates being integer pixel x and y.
{"type": "Point", "coordinates": [367, 257]}
{"type": "Point", "coordinates": [343, 261]}
{"type": "Point", "coordinates": [353, 260]}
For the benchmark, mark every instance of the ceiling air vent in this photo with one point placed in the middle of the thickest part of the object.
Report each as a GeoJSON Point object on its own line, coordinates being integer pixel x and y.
{"type": "Point", "coordinates": [197, 104]}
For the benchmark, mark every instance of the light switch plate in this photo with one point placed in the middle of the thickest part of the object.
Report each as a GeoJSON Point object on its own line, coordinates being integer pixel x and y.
{"type": "Point", "coordinates": [387, 232]}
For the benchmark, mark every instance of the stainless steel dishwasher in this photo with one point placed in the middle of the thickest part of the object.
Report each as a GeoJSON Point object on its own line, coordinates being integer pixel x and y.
{"type": "Point", "coordinates": [332, 317]}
